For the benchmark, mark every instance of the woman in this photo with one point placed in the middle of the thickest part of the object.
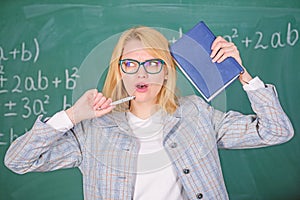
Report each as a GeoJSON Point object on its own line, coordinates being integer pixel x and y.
{"type": "Point", "coordinates": [157, 146]}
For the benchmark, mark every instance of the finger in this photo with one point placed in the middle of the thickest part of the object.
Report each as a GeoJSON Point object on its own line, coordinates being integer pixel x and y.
{"type": "Point", "coordinates": [219, 43]}
{"type": "Point", "coordinates": [105, 108]}
{"type": "Point", "coordinates": [101, 112]}
{"type": "Point", "coordinates": [106, 104]}
{"type": "Point", "coordinates": [216, 41]}
{"type": "Point", "coordinates": [231, 52]}
{"type": "Point", "coordinates": [91, 93]}
{"type": "Point", "coordinates": [100, 102]}
{"type": "Point", "coordinates": [223, 54]}
{"type": "Point", "coordinates": [89, 96]}
{"type": "Point", "coordinates": [222, 58]}
{"type": "Point", "coordinates": [216, 45]}
{"type": "Point", "coordinates": [97, 98]}
{"type": "Point", "coordinates": [219, 46]}
{"type": "Point", "coordinates": [228, 49]}
{"type": "Point", "coordinates": [218, 55]}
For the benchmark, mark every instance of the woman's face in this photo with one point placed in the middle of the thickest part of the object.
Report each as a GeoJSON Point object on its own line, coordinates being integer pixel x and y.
{"type": "Point", "coordinates": [142, 85]}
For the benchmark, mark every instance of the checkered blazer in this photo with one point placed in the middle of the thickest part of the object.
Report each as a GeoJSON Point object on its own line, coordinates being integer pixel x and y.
{"type": "Point", "coordinates": [106, 152]}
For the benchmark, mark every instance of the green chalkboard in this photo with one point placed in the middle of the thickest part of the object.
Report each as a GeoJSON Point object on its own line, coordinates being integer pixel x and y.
{"type": "Point", "coordinates": [51, 51]}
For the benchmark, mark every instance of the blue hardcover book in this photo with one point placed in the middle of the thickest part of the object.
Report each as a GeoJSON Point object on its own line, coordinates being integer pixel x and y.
{"type": "Point", "coordinates": [192, 54]}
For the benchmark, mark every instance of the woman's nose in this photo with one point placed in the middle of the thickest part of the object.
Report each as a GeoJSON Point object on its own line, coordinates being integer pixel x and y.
{"type": "Point", "coordinates": [142, 72]}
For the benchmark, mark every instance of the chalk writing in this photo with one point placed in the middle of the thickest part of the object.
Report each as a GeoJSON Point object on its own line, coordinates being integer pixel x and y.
{"type": "Point", "coordinates": [39, 82]}
{"type": "Point", "coordinates": [71, 80]}
{"type": "Point", "coordinates": [30, 84]}
{"type": "Point", "coordinates": [10, 105]}
{"type": "Point", "coordinates": [2, 56]}
{"type": "Point", "coordinates": [56, 82]}
{"type": "Point", "coordinates": [22, 52]}
{"type": "Point", "coordinates": [3, 79]}
{"type": "Point", "coordinates": [261, 41]}
{"type": "Point", "coordinates": [35, 106]}
{"type": "Point", "coordinates": [65, 104]}
{"type": "Point", "coordinates": [11, 137]}
{"type": "Point", "coordinates": [173, 39]}
{"type": "Point", "coordinates": [1, 140]}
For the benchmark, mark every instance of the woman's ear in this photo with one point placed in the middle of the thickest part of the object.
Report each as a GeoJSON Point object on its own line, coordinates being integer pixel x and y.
{"type": "Point", "coordinates": [166, 74]}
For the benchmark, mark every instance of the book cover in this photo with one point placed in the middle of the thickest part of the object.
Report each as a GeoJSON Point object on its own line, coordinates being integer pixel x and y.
{"type": "Point", "coordinates": [192, 55]}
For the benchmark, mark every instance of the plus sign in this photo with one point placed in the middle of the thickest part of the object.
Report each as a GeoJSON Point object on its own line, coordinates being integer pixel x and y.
{"type": "Point", "coordinates": [10, 104]}
{"type": "Point", "coordinates": [2, 80]}
{"type": "Point", "coordinates": [2, 143]}
{"type": "Point", "coordinates": [173, 40]}
{"type": "Point", "coordinates": [14, 53]}
{"type": "Point", "coordinates": [246, 41]}
{"type": "Point", "coordinates": [56, 81]}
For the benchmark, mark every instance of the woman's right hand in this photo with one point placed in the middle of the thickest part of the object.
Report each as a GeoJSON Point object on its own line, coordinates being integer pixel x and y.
{"type": "Point", "coordinates": [90, 105]}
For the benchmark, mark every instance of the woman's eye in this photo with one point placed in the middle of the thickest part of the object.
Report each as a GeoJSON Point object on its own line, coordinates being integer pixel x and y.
{"type": "Point", "coordinates": [130, 64]}
{"type": "Point", "coordinates": [154, 63]}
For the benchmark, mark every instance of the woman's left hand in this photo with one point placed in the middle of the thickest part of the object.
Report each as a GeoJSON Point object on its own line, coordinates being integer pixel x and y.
{"type": "Point", "coordinates": [222, 49]}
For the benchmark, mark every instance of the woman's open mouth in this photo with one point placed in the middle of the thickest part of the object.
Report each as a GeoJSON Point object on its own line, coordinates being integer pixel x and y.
{"type": "Point", "coordinates": [141, 87]}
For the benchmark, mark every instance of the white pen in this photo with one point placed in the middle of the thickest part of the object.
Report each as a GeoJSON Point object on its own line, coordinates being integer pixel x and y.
{"type": "Point", "coordinates": [120, 101]}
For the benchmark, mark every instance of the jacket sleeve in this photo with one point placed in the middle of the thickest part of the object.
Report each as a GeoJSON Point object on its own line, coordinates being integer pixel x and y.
{"type": "Point", "coordinates": [43, 148]}
{"type": "Point", "coordinates": [268, 126]}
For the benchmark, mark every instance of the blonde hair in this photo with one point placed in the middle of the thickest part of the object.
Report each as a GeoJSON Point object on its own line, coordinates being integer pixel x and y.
{"type": "Point", "coordinates": [158, 46]}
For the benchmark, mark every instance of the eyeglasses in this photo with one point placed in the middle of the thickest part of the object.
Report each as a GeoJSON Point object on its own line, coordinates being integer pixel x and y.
{"type": "Point", "coordinates": [131, 66]}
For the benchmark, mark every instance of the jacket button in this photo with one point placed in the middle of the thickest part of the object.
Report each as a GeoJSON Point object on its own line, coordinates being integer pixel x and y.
{"type": "Point", "coordinates": [186, 171]}
{"type": "Point", "coordinates": [199, 196]}
{"type": "Point", "coordinates": [173, 145]}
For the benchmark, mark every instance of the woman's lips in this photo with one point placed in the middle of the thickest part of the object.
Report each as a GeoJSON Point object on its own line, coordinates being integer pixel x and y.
{"type": "Point", "coordinates": [141, 87]}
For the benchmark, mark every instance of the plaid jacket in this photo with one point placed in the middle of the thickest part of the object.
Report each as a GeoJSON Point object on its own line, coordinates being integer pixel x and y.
{"type": "Point", "coordinates": [106, 152]}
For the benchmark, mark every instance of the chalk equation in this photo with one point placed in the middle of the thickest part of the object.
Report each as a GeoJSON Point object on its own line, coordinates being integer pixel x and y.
{"type": "Point", "coordinates": [277, 39]}
{"type": "Point", "coordinates": [21, 52]}
{"type": "Point", "coordinates": [258, 39]}
{"type": "Point", "coordinates": [25, 95]}
{"type": "Point", "coordinates": [39, 82]}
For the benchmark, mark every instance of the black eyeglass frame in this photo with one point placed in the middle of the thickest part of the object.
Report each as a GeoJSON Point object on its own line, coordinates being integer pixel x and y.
{"type": "Point", "coordinates": [141, 64]}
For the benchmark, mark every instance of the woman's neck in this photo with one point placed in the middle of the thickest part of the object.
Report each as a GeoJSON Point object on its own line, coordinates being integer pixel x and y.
{"type": "Point", "coordinates": [143, 111]}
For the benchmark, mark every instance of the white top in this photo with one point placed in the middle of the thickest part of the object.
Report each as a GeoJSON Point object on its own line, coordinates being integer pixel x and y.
{"type": "Point", "coordinates": [156, 178]}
